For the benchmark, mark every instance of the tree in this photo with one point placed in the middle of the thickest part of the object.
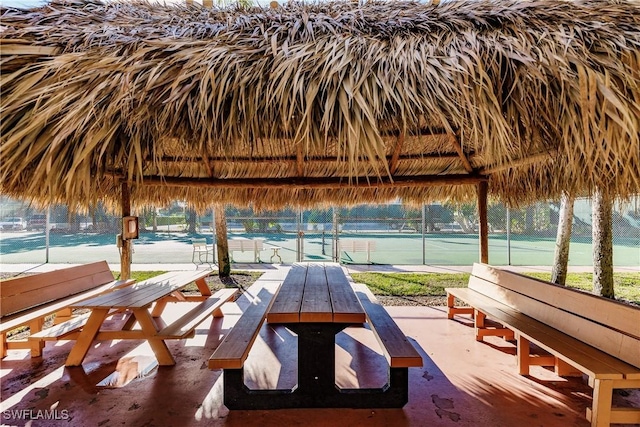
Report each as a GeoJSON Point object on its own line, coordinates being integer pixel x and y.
{"type": "Point", "coordinates": [191, 220]}
{"type": "Point", "coordinates": [602, 233]}
{"type": "Point", "coordinates": [563, 238]}
{"type": "Point", "coordinates": [224, 263]}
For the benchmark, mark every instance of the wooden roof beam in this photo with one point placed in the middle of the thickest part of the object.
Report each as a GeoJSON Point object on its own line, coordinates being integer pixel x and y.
{"type": "Point", "coordinates": [299, 163]}
{"type": "Point", "coordinates": [316, 183]}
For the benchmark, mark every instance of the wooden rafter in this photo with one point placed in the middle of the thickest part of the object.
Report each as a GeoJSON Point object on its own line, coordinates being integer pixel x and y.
{"type": "Point", "coordinates": [316, 183]}
{"type": "Point", "coordinates": [300, 160]}
{"type": "Point", "coordinates": [295, 159]}
{"type": "Point", "coordinates": [458, 147]}
{"type": "Point", "coordinates": [393, 164]}
{"type": "Point", "coordinates": [9, 48]}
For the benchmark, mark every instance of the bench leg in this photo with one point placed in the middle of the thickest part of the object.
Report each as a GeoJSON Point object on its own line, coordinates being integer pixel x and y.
{"type": "Point", "coordinates": [479, 324]}
{"type": "Point", "coordinates": [3, 345]}
{"type": "Point", "coordinates": [450, 306]}
{"type": "Point", "coordinates": [602, 400]}
{"type": "Point", "coordinates": [62, 316]}
{"type": "Point", "coordinates": [523, 349]}
{"type": "Point", "coordinates": [36, 346]}
{"type": "Point", "coordinates": [563, 369]}
{"type": "Point", "coordinates": [453, 310]}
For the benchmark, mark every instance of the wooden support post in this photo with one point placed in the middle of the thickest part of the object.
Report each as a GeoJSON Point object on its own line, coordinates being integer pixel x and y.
{"type": "Point", "coordinates": [125, 254]}
{"type": "Point", "coordinates": [483, 188]}
{"type": "Point", "coordinates": [523, 349]}
{"type": "Point", "coordinates": [602, 398]}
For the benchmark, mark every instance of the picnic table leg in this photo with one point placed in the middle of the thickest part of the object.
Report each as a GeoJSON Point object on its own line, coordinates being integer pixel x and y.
{"type": "Point", "coordinates": [158, 346]}
{"type": "Point", "coordinates": [203, 287]}
{"type": "Point", "coordinates": [316, 357]}
{"type": "Point", "coordinates": [86, 337]}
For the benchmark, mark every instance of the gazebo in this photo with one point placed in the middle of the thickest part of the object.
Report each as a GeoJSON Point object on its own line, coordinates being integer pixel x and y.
{"type": "Point", "coordinates": [303, 105]}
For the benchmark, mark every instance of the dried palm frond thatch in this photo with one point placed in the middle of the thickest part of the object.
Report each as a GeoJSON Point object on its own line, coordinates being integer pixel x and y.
{"type": "Point", "coordinates": [334, 103]}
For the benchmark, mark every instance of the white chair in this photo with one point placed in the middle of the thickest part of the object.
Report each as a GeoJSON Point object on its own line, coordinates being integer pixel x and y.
{"type": "Point", "coordinates": [202, 253]}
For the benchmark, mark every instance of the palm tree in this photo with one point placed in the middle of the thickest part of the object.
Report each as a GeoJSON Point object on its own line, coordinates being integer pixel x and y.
{"type": "Point", "coordinates": [602, 234]}
{"type": "Point", "coordinates": [224, 264]}
{"type": "Point", "coordinates": [563, 238]}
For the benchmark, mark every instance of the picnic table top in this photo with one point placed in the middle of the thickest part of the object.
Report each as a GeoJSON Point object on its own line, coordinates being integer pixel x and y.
{"type": "Point", "coordinates": [316, 292]}
{"type": "Point", "coordinates": [143, 293]}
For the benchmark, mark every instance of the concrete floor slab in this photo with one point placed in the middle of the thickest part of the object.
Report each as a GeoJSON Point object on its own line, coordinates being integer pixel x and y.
{"type": "Point", "coordinates": [462, 383]}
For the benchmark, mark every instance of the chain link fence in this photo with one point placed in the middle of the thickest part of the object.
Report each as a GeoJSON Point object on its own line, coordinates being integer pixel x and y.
{"type": "Point", "coordinates": [435, 234]}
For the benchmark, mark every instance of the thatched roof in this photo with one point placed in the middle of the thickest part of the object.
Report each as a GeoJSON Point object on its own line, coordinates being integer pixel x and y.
{"type": "Point", "coordinates": [332, 103]}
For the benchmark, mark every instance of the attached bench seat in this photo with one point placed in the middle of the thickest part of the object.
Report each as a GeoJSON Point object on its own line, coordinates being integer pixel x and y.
{"type": "Point", "coordinates": [235, 347]}
{"type": "Point", "coordinates": [184, 327]}
{"type": "Point", "coordinates": [397, 349]}
{"type": "Point", "coordinates": [583, 333]}
{"type": "Point", "coordinates": [28, 300]}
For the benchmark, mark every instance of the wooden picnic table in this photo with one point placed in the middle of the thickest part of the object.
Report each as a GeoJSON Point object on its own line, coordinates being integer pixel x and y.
{"type": "Point", "coordinates": [145, 302]}
{"type": "Point", "coordinates": [315, 301]}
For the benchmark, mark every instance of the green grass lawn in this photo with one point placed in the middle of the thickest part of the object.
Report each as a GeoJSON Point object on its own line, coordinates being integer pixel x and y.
{"type": "Point", "coordinates": [237, 279]}
{"type": "Point", "coordinates": [626, 285]}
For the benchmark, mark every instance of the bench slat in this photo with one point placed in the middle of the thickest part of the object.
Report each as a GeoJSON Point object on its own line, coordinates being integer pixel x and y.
{"type": "Point", "coordinates": [397, 349]}
{"type": "Point", "coordinates": [289, 297]}
{"type": "Point", "coordinates": [316, 301]}
{"type": "Point", "coordinates": [145, 292]}
{"type": "Point", "coordinates": [589, 360]}
{"type": "Point", "coordinates": [235, 347]}
{"type": "Point", "coordinates": [22, 293]}
{"type": "Point", "coordinates": [346, 307]}
{"type": "Point", "coordinates": [184, 325]}
{"type": "Point", "coordinates": [58, 331]}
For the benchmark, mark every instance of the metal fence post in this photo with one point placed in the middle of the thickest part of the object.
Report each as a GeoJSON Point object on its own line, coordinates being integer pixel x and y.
{"type": "Point", "coordinates": [508, 236]}
{"type": "Point", "coordinates": [336, 253]}
{"type": "Point", "coordinates": [424, 226]}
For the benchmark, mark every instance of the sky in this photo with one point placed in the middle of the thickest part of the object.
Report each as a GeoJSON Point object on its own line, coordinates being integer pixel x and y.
{"type": "Point", "coordinates": [21, 3]}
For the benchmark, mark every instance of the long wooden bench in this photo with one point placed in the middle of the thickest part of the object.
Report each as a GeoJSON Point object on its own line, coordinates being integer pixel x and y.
{"type": "Point", "coordinates": [27, 300]}
{"type": "Point", "coordinates": [235, 347]}
{"type": "Point", "coordinates": [583, 333]}
{"type": "Point", "coordinates": [246, 245]}
{"type": "Point", "coordinates": [396, 348]}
